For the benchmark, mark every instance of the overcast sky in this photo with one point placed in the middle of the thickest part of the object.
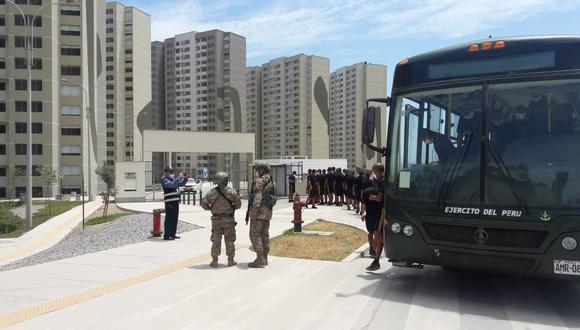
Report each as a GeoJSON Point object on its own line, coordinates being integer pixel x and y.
{"type": "Point", "coordinates": [353, 31]}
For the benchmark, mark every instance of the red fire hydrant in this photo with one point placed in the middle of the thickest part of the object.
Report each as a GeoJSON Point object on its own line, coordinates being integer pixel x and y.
{"type": "Point", "coordinates": [297, 206]}
{"type": "Point", "coordinates": [156, 232]}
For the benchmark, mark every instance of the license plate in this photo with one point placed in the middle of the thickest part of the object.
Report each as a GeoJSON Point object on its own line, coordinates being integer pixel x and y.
{"type": "Point", "coordinates": [567, 267]}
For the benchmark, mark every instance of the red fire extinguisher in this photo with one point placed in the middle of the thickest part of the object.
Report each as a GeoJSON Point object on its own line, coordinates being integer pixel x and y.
{"type": "Point", "coordinates": [156, 232]}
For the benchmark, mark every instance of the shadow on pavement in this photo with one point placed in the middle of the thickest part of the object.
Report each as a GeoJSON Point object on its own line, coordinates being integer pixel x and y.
{"type": "Point", "coordinates": [487, 295]}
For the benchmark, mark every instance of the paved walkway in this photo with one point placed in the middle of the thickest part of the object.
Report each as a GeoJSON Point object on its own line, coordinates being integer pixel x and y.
{"type": "Point", "coordinates": [43, 236]}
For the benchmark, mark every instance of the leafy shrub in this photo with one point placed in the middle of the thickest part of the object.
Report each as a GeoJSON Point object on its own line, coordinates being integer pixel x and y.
{"type": "Point", "coordinates": [8, 221]}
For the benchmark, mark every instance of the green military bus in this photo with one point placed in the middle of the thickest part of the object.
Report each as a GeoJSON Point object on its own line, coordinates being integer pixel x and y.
{"type": "Point", "coordinates": [483, 157]}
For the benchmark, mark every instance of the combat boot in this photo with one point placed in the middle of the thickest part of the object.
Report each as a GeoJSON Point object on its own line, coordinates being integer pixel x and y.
{"type": "Point", "coordinates": [214, 262]}
{"type": "Point", "coordinates": [259, 262]}
{"type": "Point", "coordinates": [231, 262]}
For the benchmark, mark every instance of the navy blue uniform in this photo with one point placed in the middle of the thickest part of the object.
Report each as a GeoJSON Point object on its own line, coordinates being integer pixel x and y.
{"type": "Point", "coordinates": [171, 199]}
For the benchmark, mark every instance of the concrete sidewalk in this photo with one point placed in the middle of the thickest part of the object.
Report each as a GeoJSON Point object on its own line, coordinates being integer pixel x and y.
{"type": "Point", "coordinates": [45, 235]}
{"type": "Point", "coordinates": [154, 271]}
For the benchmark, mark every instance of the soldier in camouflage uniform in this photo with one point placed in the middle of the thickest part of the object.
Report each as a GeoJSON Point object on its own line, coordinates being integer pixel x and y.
{"type": "Point", "coordinates": [260, 216]}
{"type": "Point", "coordinates": [222, 201]}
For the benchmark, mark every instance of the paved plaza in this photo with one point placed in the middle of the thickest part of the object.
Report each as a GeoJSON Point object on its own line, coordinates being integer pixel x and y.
{"type": "Point", "coordinates": [168, 285]}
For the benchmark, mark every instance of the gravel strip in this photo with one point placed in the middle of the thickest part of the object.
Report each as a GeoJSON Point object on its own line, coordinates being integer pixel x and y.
{"type": "Point", "coordinates": [126, 230]}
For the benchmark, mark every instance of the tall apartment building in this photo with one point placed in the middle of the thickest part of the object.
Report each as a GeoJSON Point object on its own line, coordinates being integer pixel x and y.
{"type": "Point", "coordinates": [295, 108]}
{"type": "Point", "coordinates": [157, 103]}
{"type": "Point", "coordinates": [350, 87]}
{"type": "Point", "coordinates": [68, 53]}
{"type": "Point", "coordinates": [205, 90]}
{"type": "Point", "coordinates": [254, 106]}
{"type": "Point", "coordinates": [128, 90]}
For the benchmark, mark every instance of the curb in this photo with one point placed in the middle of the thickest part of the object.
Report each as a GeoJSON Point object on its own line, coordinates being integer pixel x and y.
{"type": "Point", "coordinates": [358, 253]}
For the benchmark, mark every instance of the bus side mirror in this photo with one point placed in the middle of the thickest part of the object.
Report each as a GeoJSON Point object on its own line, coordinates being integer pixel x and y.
{"type": "Point", "coordinates": [368, 129]}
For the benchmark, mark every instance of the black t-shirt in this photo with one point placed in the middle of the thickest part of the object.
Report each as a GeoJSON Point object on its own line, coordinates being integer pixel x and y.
{"type": "Point", "coordinates": [358, 181]}
{"type": "Point", "coordinates": [350, 182]}
{"type": "Point", "coordinates": [373, 208]}
{"type": "Point", "coordinates": [312, 179]}
{"type": "Point", "coordinates": [292, 179]}
{"type": "Point", "coordinates": [338, 180]}
{"type": "Point", "coordinates": [322, 179]}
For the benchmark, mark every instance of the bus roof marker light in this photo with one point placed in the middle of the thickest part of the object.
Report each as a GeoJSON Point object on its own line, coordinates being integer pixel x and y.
{"type": "Point", "coordinates": [486, 46]}
{"type": "Point", "coordinates": [473, 48]}
{"type": "Point", "coordinates": [499, 44]}
{"type": "Point", "coordinates": [403, 62]}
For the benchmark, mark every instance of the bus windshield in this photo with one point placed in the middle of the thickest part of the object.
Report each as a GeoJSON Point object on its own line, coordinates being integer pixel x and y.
{"type": "Point", "coordinates": [528, 142]}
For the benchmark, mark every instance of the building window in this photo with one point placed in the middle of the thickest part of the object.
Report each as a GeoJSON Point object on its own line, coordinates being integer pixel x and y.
{"type": "Point", "coordinates": [69, 10]}
{"type": "Point", "coordinates": [20, 191]}
{"type": "Point", "coordinates": [70, 50]}
{"type": "Point", "coordinates": [110, 134]}
{"type": "Point", "coordinates": [20, 42]}
{"type": "Point", "coordinates": [37, 149]}
{"type": "Point", "coordinates": [66, 90]}
{"type": "Point", "coordinates": [70, 130]}
{"type": "Point", "coordinates": [2, 106]}
{"type": "Point", "coordinates": [2, 85]}
{"type": "Point", "coordinates": [110, 30]}
{"type": "Point", "coordinates": [70, 30]}
{"type": "Point", "coordinates": [36, 128]}
{"type": "Point", "coordinates": [110, 11]}
{"type": "Point", "coordinates": [2, 20]}
{"type": "Point", "coordinates": [69, 170]}
{"type": "Point", "coordinates": [110, 21]}
{"type": "Point", "coordinates": [110, 153]}
{"type": "Point", "coordinates": [19, 20]}
{"type": "Point", "coordinates": [37, 192]}
{"type": "Point", "coordinates": [70, 150]}
{"type": "Point", "coordinates": [2, 42]}
{"type": "Point", "coordinates": [20, 128]}
{"type": "Point", "coordinates": [20, 149]}
{"type": "Point", "coordinates": [2, 128]}
{"type": "Point", "coordinates": [2, 63]}
{"type": "Point", "coordinates": [70, 110]}
{"type": "Point", "coordinates": [2, 171]}
{"type": "Point", "coordinates": [20, 63]}
{"type": "Point", "coordinates": [2, 149]}
{"type": "Point", "coordinates": [36, 106]}
{"type": "Point", "coordinates": [110, 125]}
{"type": "Point", "coordinates": [70, 70]}
{"type": "Point", "coordinates": [20, 84]}
{"type": "Point", "coordinates": [37, 85]}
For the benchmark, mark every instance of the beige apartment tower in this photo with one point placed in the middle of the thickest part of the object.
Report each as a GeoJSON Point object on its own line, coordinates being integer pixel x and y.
{"type": "Point", "coordinates": [350, 87]}
{"type": "Point", "coordinates": [205, 90]}
{"type": "Point", "coordinates": [128, 81]}
{"type": "Point", "coordinates": [295, 107]}
{"type": "Point", "coordinates": [254, 106]}
{"type": "Point", "coordinates": [68, 68]}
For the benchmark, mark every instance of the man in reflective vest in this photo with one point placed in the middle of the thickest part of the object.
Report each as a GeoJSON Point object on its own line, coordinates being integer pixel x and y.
{"type": "Point", "coordinates": [170, 185]}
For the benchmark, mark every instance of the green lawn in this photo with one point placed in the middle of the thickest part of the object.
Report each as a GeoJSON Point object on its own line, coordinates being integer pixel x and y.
{"type": "Point", "coordinates": [56, 208]}
{"type": "Point", "coordinates": [110, 217]}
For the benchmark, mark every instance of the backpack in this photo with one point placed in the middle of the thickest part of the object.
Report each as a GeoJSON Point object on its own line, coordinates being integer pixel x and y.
{"type": "Point", "coordinates": [269, 196]}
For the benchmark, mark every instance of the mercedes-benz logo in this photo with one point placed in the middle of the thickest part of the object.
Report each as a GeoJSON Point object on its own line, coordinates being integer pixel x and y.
{"type": "Point", "coordinates": [481, 236]}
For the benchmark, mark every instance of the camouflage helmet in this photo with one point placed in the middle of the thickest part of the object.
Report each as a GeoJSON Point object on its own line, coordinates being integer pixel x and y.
{"type": "Point", "coordinates": [221, 179]}
{"type": "Point", "coordinates": [262, 164]}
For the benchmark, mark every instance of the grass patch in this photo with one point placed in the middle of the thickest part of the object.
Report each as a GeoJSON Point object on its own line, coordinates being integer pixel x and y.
{"type": "Point", "coordinates": [345, 240]}
{"type": "Point", "coordinates": [108, 218]}
{"type": "Point", "coordinates": [56, 208]}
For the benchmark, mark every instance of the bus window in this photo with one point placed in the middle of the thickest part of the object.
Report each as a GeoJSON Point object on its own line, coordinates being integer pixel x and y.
{"type": "Point", "coordinates": [438, 130]}
{"type": "Point", "coordinates": [534, 129]}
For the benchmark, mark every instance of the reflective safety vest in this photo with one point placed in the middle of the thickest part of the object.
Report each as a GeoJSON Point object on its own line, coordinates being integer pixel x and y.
{"type": "Point", "coordinates": [170, 194]}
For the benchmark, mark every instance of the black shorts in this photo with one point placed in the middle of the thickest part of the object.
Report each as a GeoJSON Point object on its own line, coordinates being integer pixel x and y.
{"type": "Point", "coordinates": [371, 222]}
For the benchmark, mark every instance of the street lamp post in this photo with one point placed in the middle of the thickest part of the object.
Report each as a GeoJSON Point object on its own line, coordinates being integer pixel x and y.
{"type": "Point", "coordinates": [29, 46]}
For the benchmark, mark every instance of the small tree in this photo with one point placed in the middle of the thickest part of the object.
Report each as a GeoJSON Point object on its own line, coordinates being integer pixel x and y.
{"type": "Point", "coordinates": [49, 177]}
{"type": "Point", "coordinates": [107, 174]}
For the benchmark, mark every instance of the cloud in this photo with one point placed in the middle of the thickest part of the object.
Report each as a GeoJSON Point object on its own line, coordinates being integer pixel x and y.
{"type": "Point", "coordinates": [279, 27]}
